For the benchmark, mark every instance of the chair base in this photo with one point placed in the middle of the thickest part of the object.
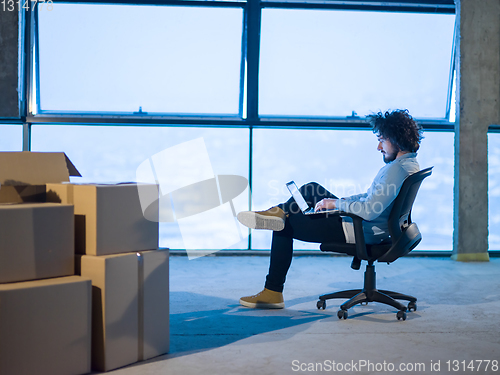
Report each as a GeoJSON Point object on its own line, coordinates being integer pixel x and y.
{"type": "Point", "coordinates": [370, 293]}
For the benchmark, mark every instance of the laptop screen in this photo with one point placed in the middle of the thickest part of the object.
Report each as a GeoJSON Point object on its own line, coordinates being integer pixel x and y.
{"type": "Point", "coordinates": [297, 195]}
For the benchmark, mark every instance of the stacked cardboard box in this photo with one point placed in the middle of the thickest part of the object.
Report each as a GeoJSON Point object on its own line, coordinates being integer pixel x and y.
{"type": "Point", "coordinates": [122, 271]}
{"type": "Point", "coordinates": [119, 252]}
{"type": "Point", "coordinates": [45, 311]}
{"type": "Point", "coordinates": [45, 327]}
{"type": "Point", "coordinates": [130, 317]}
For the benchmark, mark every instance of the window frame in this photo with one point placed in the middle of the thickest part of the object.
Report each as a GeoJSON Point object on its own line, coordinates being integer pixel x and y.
{"type": "Point", "coordinates": [248, 116]}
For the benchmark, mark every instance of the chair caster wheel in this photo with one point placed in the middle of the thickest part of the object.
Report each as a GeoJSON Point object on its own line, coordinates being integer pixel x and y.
{"type": "Point", "coordinates": [363, 303]}
{"type": "Point", "coordinates": [321, 304]}
{"type": "Point", "coordinates": [401, 315]}
{"type": "Point", "coordinates": [412, 306]}
{"type": "Point", "coordinates": [342, 314]}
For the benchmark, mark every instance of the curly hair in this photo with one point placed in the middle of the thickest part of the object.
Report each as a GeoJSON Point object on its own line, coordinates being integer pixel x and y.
{"type": "Point", "coordinates": [399, 128]}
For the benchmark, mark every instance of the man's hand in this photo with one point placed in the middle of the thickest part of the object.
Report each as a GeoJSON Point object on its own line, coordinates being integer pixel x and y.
{"type": "Point", "coordinates": [326, 204]}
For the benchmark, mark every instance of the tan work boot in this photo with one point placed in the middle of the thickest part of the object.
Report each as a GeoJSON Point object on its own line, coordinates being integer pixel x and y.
{"type": "Point", "coordinates": [267, 299]}
{"type": "Point", "coordinates": [273, 219]}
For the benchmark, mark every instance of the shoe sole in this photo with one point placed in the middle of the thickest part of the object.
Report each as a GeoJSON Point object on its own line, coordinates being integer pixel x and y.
{"type": "Point", "coordinates": [255, 221]}
{"type": "Point", "coordinates": [253, 305]}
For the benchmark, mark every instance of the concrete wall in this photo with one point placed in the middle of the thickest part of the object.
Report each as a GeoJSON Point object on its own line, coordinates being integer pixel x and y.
{"type": "Point", "coordinates": [478, 107]}
{"type": "Point", "coordinates": [9, 55]}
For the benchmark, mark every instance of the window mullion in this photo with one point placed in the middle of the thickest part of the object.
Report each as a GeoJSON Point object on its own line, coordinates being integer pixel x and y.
{"type": "Point", "coordinates": [452, 73]}
{"type": "Point", "coordinates": [253, 47]}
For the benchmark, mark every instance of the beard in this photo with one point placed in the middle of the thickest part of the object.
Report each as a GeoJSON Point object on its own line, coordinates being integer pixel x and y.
{"type": "Point", "coordinates": [390, 157]}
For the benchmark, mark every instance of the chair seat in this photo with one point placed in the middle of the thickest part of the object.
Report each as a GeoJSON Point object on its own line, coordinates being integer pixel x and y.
{"type": "Point", "coordinates": [374, 251]}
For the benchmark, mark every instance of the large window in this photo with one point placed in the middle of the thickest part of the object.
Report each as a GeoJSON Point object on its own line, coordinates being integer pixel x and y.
{"type": "Point", "coordinates": [268, 88]}
{"type": "Point", "coordinates": [11, 138]}
{"type": "Point", "coordinates": [345, 162]}
{"type": "Point", "coordinates": [494, 190]}
{"type": "Point", "coordinates": [330, 63]}
{"type": "Point", "coordinates": [433, 207]}
{"type": "Point", "coordinates": [109, 58]}
{"type": "Point", "coordinates": [114, 153]}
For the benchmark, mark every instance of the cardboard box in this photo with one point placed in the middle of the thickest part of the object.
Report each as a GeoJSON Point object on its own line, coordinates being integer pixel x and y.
{"type": "Point", "coordinates": [154, 335]}
{"type": "Point", "coordinates": [23, 175]}
{"type": "Point", "coordinates": [36, 241]}
{"type": "Point", "coordinates": [45, 327]}
{"type": "Point", "coordinates": [130, 313]}
{"type": "Point", "coordinates": [108, 218]}
{"type": "Point", "coordinates": [115, 331]}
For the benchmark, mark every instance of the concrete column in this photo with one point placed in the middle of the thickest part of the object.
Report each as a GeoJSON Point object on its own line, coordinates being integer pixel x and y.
{"type": "Point", "coordinates": [478, 107]}
{"type": "Point", "coordinates": [9, 63]}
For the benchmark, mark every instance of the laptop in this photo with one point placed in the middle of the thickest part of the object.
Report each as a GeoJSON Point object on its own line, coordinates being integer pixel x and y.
{"type": "Point", "coordinates": [304, 207]}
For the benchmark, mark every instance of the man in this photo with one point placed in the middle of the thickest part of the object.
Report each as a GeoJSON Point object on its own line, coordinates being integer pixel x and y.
{"type": "Point", "coordinates": [399, 139]}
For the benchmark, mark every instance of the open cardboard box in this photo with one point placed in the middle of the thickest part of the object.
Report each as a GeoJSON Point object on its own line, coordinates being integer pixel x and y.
{"type": "Point", "coordinates": [23, 175]}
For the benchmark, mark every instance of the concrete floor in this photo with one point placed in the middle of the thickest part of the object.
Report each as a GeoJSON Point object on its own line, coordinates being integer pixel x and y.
{"type": "Point", "coordinates": [458, 319]}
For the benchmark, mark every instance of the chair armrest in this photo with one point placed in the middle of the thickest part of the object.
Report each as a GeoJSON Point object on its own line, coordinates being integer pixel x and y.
{"type": "Point", "coordinates": [359, 235]}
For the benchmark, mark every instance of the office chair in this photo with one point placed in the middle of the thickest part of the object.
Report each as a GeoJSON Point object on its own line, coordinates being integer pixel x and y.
{"type": "Point", "coordinates": [405, 236]}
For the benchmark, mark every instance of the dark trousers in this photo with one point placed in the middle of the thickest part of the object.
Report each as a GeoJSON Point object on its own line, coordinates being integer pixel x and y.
{"type": "Point", "coordinates": [310, 228]}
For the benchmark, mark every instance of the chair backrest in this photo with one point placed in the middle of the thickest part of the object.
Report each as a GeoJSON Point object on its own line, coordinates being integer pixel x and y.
{"type": "Point", "coordinates": [400, 216]}
{"type": "Point", "coordinates": [404, 234]}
